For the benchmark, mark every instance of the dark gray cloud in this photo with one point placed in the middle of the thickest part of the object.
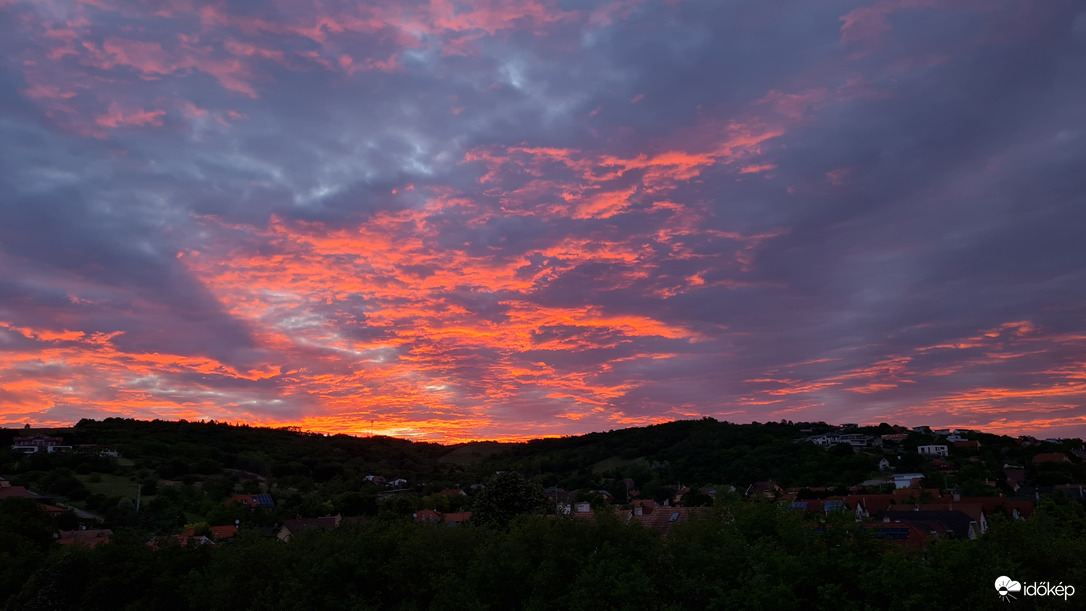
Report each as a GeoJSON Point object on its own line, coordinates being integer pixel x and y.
{"type": "Point", "coordinates": [542, 218]}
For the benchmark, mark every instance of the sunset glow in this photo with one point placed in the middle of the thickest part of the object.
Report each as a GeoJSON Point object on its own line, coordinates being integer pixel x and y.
{"type": "Point", "coordinates": [449, 220]}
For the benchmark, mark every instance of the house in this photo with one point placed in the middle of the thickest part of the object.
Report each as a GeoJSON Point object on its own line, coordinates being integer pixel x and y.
{"type": "Point", "coordinates": [664, 519]}
{"type": "Point", "coordinates": [974, 510]}
{"type": "Point", "coordinates": [451, 492]}
{"type": "Point", "coordinates": [427, 516]}
{"type": "Point", "coordinates": [558, 496]}
{"type": "Point", "coordinates": [457, 517]}
{"type": "Point", "coordinates": [31, 444]}
{"type": "Point", "coordinates": [942, 465]}
{"type": "Point", "coordinates": [51, 510]}
{"type": "Point", "coordinates": [907, 534]}
{"type": "Point", "coordinates": [905, 480]}
{"type": "Point", "coordinates": [933, 450]}
{"type": "Point", "coordinates": [252, 501]}
{"type": "Point", "coordinates": [1015, 477]}
{"type": "Point", "coordinates": [399, 482]}
{"type": "Point", "coordinates": [969, 444]}
{"type": "Point", "coordinates": [913, 495]}
{"type": "Point", "coordinates": [1017, 509]}
{"type": "Point", "coordinates": [16, 492]}
{"type": "Point", "coordinates": [869, 505]}
{"type": "Point", "coordinates": [925, 430]}
{"type": "Point", "coordinates": [100, 450]}
{"type": "Point", "coordinates": [218, 534]}
{"type": "Point", "coordinates": [376, 480]}
{"type": "Point", "coordinates": [1050, 457]}
{"type": "Point", "coordinates": [293, 527]}
{"type": "Point", "coordinates": [827, 506]}
{"type": "Point", "coordinates": [84, 538]}
{"type": "Point", "coordinates": [763, 490]}
{"type": "Point", "coordinates": [1072, 491]}
{"type": "Point", "coordinates": [937, 521]}
{"type": "Point", "coordinates": [856, 440]}
{"type": "Point", "coordinates": [894, 437]}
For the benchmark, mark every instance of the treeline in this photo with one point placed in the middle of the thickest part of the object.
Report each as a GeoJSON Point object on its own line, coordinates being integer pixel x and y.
{"type": "Point", "coordinates": [740, 555]}
{"type": "Point", "coordinates": [186, 470]}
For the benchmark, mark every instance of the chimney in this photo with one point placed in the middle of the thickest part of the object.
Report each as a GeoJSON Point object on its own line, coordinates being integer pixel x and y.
{"type": "Point", "coordinates": [638, 510]}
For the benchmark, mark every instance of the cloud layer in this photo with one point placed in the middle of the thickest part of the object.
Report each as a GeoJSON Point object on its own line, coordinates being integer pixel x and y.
{"type": "Point", "coordinates": [462, 220]}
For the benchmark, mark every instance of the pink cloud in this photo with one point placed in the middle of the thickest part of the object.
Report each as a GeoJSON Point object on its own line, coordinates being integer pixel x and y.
{"type": "Point", "coordinates": [138, 118]}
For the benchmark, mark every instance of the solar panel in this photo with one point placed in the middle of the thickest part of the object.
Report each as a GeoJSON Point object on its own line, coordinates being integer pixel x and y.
{"type": "Point", "coordinates": [892, 533]}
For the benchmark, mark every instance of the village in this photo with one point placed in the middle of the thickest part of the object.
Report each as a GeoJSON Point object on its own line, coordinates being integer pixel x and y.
{"type": "Point", "coordinates": [903, 506]}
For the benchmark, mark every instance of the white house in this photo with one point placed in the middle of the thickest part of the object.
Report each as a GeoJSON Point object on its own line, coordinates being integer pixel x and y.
{"type": "Point", "coordinates": [905, 480]}
{"type": "Point", "coordinates": [938, 450]}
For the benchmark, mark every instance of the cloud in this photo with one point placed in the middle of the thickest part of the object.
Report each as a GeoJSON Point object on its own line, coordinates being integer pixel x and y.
{"type": "Point", "coordinates": [453, 220]}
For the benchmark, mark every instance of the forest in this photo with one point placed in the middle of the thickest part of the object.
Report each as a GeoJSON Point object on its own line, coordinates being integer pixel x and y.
{"type": "Point", "coordinates": [740, 555]}
{"type": "Point", "coordinates": [516, 551]}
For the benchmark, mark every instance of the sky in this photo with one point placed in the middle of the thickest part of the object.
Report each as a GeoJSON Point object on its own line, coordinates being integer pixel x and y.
{"type": "Point", "coordinates": [452, 220]}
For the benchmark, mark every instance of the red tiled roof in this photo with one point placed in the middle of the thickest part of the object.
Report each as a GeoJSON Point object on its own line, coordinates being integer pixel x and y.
{"type": "Point", "coordinates": [647, 505]}
{"type": "Point", "coordinates": [218, 533]}
{"type": "Point", "coordinates": [992, 504]}
{"type": "Point", "coordinates": [90, 542]}
{"type": "Point", "coordinates": [904, 495]}
{"type": "Point", "coordinates": [427, 515]}
{"type": "Point", "coordinates": [874, 504]}
{"type": "Point", "coordinates": [12, 492]}
{"type": "Point", "coordinates": [294, 526]}
{"type": "Point", "coordinates": [457, 517]}
{"type": "Point", "coordinates": [971, 509]}
{"type": "Point", "coordinates": [1050, 457]}
{"type": "Point", "coordinates": [663, 519]}
{"type": "Point", "coordinates": [86, 534]}
{"type": "Point", "coordinates": [86, 538]}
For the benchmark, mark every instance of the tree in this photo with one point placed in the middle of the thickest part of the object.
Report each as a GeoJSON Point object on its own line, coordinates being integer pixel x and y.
{"type": "Point", "coordinates": [507, 495]}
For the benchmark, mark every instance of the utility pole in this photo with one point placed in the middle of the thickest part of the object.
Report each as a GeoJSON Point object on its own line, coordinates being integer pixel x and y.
{"type": "Point", "coordinates": [139, 494]}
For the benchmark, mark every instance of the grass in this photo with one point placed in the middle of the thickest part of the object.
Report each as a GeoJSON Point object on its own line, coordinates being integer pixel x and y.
{"type": "Point", "coordinates": [614, 462]}
{"type": "Point", "coordinates": [110, 485]}
{"type": "Point", "coordinates": [472, 453]}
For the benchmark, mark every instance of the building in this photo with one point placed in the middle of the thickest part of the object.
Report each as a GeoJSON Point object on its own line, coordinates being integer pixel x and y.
{"type": "Point", "coordinates": [856, 440]}
{"type": "Point", "coordinates": [1050, 457]}
{"type": "Point", "coordinates": [933, 450]}
{"type": "Point", "coordinates": [252, 501]}
{"type": "Point", "coordinates": [293, 527]}
{"type": "Point", "coordinates": [31, 444]}
{"type": "Point", "coordinates": [906, 480]}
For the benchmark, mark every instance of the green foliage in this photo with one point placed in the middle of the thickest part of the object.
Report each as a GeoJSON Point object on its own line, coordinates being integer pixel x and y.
{"type": "Point", "coordinates": [507, 495]}
{"type": "Point", "coordinates": [739, 555]}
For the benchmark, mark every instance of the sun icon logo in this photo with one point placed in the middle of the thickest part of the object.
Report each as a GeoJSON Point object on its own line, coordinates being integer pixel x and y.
{"type": "Point", "coordinates": [1005, 585]}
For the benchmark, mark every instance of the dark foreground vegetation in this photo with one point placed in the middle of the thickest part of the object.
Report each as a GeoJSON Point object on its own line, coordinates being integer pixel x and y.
{"type": "Point", "coordinates": [175, 477]}
{"type": "Point", "coordinates": [739, 555]}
